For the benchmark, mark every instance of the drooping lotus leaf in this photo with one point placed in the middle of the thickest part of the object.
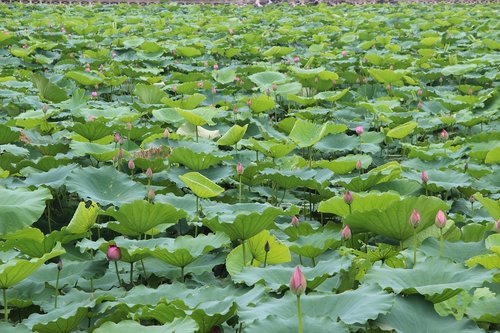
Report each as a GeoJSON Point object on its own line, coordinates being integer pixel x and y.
{"type": "Point", "coordinates": [233, 135]}
{"type": "Point", "coordinates": [129, 326]}
{"type": "Point", "coordinates": [183, 250]}
{"type": "Point", "coordinates": [407, 313]}
{"type": "Point", "coordinates": [393, 221]}
{"type": "Point", "coordinates": [440, 180]}
{"type": "Point", "coordinates": [261, 103]}
{"type": "Point", "coordinates": [132, 250]}
{"type": "Point", "coordinates": [92, 130]}
{"type": "Point", "coordinates": [485, 309]}
{"type": "Point", "coordinates": [314, 244]}
{"type": "Point", "coordinates": [274, 149]}
{"type": "Point", "coordinates": [331, 96]}
{"type": "Point", "coordinates": [48, 90]}
{"type": "Point", "coordinates": [201, 185]}
{"type": "Point", "coordinates": [195, 160]}
{"type": "Point", "coordinates": [186, 103]}
{"type": "Point", "coordinates": [361, 203]}
{"type": "Point", "coordinates": [345, 164]}
{"type": "Point", "coordinates": [84, 218]}
{"type": "Point", "coordinates": [224, 76]}
{"type": "Point", "coordinates": [492, 206]}
{"type": "Point", "coordinates": [379, 175]}
{"type": "Point", "coordinates": [85, 78]}
{"type": "Point", "coordinates": [266, 79]}
{"type": "Point", "coordinates": [386, 76]}
{"type": "Point", "coordinates": [55, 177]}
{"type": "Point", "coordinates": [403, 130]}
{"type": "Point", "coordinates": [353, 306]}
{"type": "Point", "coordinates": [436, 285]}
{"type": "Point", "coordinates": [105, 185]}
{"type": "Point", "coordinates": [278, 252]}
{"type": "Point", "coordinates": [141, 216]}
{"type": "Point", "coordinates": [20, 208]}
{"type": "Point", "coordinates": [101, 152]}
{"type": "Point", "coordinates": [16, 270]}
{"type": "Point", "coordinates": [199, 116]}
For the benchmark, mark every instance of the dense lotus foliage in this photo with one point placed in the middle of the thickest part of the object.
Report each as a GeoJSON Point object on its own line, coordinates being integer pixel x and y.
{"type": "Point", "coordinates": [167, 168]}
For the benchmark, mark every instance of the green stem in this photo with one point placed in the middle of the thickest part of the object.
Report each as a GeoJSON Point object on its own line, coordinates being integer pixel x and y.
{"type": "Point", "coordinates": [144, 270]}
{"type": "Point", "coordinates": [441, 242]}
{"type": "Point", "coordinates": [472, 209]}
{"type": "Point", "coordinates": [313, 261]}
{"type": "Point", "coordinates": [265, 259]}
{"type": "Point", "coordinates": [244, 254]}
{"type": "Point", "coordinates": [366, 243]}
{"type": "Point", "coordinates": [240, 188]}
{"type": "Point", "coordinates": [48, 216]}
{"type": "Point", "coordinates": [5, 307]}
{"type": "Point", "coordinates": [414, 247]}
{"type": "Point", "coordinates": [299, 313]}
{"type": "Point", "coordinates": [196, 131]}
{"type": "Point", "coordinates": [117, 274]}
{"type": "Point", "coordinates": [57, 288]}
{"type": "Point", "coordinates": [300, 259]}
{"type": "Point", "coordinates": [182, 274]}
{"type": "Point", "coordinates": [131, 272]}
{"type": "Point", "coordinates": [350, 209]}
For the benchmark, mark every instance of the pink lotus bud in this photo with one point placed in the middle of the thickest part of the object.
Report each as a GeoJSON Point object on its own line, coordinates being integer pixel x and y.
{"type": "Point", "coordinates": [249, 102]}
{"type": "Point", "coordinates": [420, 92]}
{"type": "Point", "coordinates": [388, 87]}
{"type": "Point", "coordinates": [295, 221]}
{"type": "Point", "coordinates": [116, 137]}
{"type": "Point", "coordinates": [415, 218]}
{"type": "Point", "coordinates": [129, 126]}
{"type": "Point", "coordinates": [296, 59]}
{"type": "Point", "coordinates": [63, 30]}
{"type": "Point", "coordinates": [151, 194]}
{"type": "Point", "coordinates": [348, 197]}
{"type": "Point", "coordinates": [87, 69]}
{"type": "Point", "coordinates": [334, 82]}
{"type": "Point", "coordinates": [239, 168]}
{"type": "Point", "coordinates": [497, 225]}
{"type": "Point", "coordinates": [275, 86]}
{"type": "Point", "coordinates": [391, 67]}
{"type": "Point", "coordinates": [419, 105]}
{"type": "Point", "coordinates": [214, 90]}
{"type": "Point", "coordinates": [94, 94]}
{"type": "Point", "coordinates": [216, 67]}
{"type": "Point", "coordinates": [444, 134]}
{"type": "Point", "coordinates": [114, 253]}
{"type": "Point", "coordinates": [90, 118]}
{"type": "Point", "coordinates": [131, 164]}
{"type": "Point", "coordinates": [359, 130]}
{"type": "Point", "coordinates": [115, 158]}
{"type": "Point", "coordinates": [298, 282]}
{"type": "Point", "coordinates": [45, 108]}
{"type": "Point", "coordinates": [344, 53]}
{"type": "Point", "coordinates": [166, 133]}
{"type": "Point", "coordinates": [149, 173]}
{"type": "Point", "coordinates": [120, 153]}
{"type": "Point", "coordinates": [205, 63]}
{"type": "Point", "coordinates": [440, 219]}
{"type": "Point", "coordinates": [200, 84]}
{"type": "Point", "coordinates": [424, 177]}
{"type": "Point", "coordinates": [268, 91]}
{"type": "Point", "coordinates": [472, 199]}
{"type": "Point", "coordinates": [359, 165]}
{"type": "Point", "coordinates": [237, 78]}
{"type": "Point", "coordinates": [316, 80]}
{"type": "Point", "coordinates": [346, 233]}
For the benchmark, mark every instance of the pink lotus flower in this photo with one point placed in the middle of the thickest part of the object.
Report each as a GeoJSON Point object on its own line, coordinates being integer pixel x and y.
{"type": "Point", "coordinates": [249, 102]}
{"type": "Point", "coordinates": [298, 282]}
{"type": "Point", "coordinates": [296, 59]}
{"type": "Point", "coordinates": [214, 90]}
{"type": "Point", "coordinates": [359, 130]}
{"type": "Point", "coordinates": [239, 168]}
{"type": "Point", "coordinates": [94, 94]}
{"type": "Point", "coordinates": [275, 86]}
{"type": "Point", "coordinates": [295, 221]}
{"type": "Point", "coordinates": [87, 69]}
{"type": "Point", "coordinates": [114, 253]}
{"type": "Point", "coordinates": [443, 134]}
{"type": "Point", "coordinates": [149, 173]}
{"type": "Point", "coordinates": [424, 177]}
{"type": "Point", "coordinates": [131, 164]}
{"type": "Point", "coordinates": [419, 105]}
{"type": "Point", "coordinates": [415, 218]}
{"type": "Point", "coordinates": [231, 31]}
{"type": "Point", "coordinates": [344, 53]}
{"type": "Point", "coordinates": [440, 219]}
{"type": "Point", "coordinates": [348, 197]}
{"type": "Point", "coordinates": [120, 153]}
{"type": "Point", "coordinates": [346, 233]}
{"type": "Point", "coordinates": [216, 67]}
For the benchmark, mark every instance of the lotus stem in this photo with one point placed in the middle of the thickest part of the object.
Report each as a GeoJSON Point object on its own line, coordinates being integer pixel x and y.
{"type": "Point", "coordinates": [240, 189]}
{"type": "Point", "coordinates": [299, 313]}
{"type": "Point", "coordinates": [265, 259]}
{"type": "Point", "coordinates": [144, 270]}
{"type": "Point", "coordinates": [350, 209]}
{"type": "Point", "coordinates": [117, 274]}
{"type": "Point", "coordinates": [57, 288]}
{"type": "Point", "coordinates": [131, 272]}
{"type": "Point", "coordinates": [300, 259]}
{"type": "Point", "coordinates": [441, 242]}
{"type": "Point", "coordinates": [313, 261]}
{"type": "Point", "coordinates": [472, 209]}
{"type": "Point", "coordinates": [244, 254]}
{"type": "Point", "coordinates": [366, 242]}
{"type": "Point", "coordinates": [183, 277]}
{"type": "Point", "coordinates": [197, 216]}
{"type": "Point", "coordinates": [48, 216]}
{"type": "Point", "coordinates": [5, 307]}
{"type": "Point", "coordinates": [414, 247]}
{"type": "Point", "coordinates": [196, 132]}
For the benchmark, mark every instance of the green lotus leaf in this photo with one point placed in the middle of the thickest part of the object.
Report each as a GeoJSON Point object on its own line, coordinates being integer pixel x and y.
{"type": "Point", "coordinates": [132, 250]}
{"type": "Point", "coordinates": [178, 325]}
{"type": "Point", "coordinates": [84, 218]}
{"type": "Point", "coordinates": [187, 51]}
{"type": "Point", "coordinates": [307, 73]}
{"type": "Point", "coordinates": [7, 135]}
{"type": "Point", "coordinates": [436, 285]}
{"type": "Point", "coordinates": [270, 148]}
{"type": "Point", "coordinates": [386, 76]}
{"type": "Point", "coordinates": [345, 164]}
{"type": "Point", "coordinates": [457, 251]}
{"type": "Point", "coordinates": [306, 133]}
{"type": "Point", "coordinates": [233, 135]}
{"type": "Point", "coordinates": [277, 51]}
{"type": "Point", "coordinates": [278, 252]}
{"type": "Point", "coordinates": [92, 130]}
{"type": "Point", "coordinates": [105, 186]}
{"type": "Point", "coordinates": [361, 203]}
{"type": "Point", "coordinates": [493, 156]}
{"type": "Point", "coordinates": [201, 185]}
{"type": "Point", "coordinates": [8, 328]}
{"type": "Point", "coordinates": [87, 79]}
{"type": "Point", "coordinates": [262, 103]}
{"type": "Point", "coordinates": [407, 312]}
{"type": "Point", "coordinates": [289, 179]}
{"type": "Point", "coordinates": [101, 152]}
{"type": "Point", "coordinates": [289, 88]}
{"type": "Point", "coordinates": [485, 309]}
{"type": "Point", "coordinates": [149, 94]}
{"type": "Point", "coordinates": [403, 130]}
{"type": "Point", "coordinates": [54, 178]}
{"type": "Point", "coordinates": [267, 79]}
{"type": "Point", "coordinates": [331, 96]}
{"type": "Point", "coordinates": [16, 270]}
{"type": "Point", "coordinates": [379, 175]}
{"type": "Point", "coordinates": [393, 220]}
{"type": "Point", "coordinates": [460, 69]}
{"type": "Point", "coordinates": [20, 208]}
{"type": "Point", "coordinates": [199, 116]}
{"type": "Point", "coordinates": [315, 244]}
{"type": "Point", "coordinates": [196, 160]}
{"type": "Point", "coordinates": [224, 76]}
{"type": "Point", "coordinates": [492, 206]}
{"type": "Point", "coordinates": [140, 216]}
{"type": "Point", "coordinates": [185, 103]}
{"type": "Point", "coordinates": [276, 324]}
{"type": "Point", "coordinates": [49, 91]}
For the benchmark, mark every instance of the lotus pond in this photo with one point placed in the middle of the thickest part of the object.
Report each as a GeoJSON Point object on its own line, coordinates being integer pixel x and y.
{"type": "Point", "coordinates": [167, 168]}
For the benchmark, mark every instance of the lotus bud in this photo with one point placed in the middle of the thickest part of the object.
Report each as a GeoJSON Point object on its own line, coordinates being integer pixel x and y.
{"type": "Point", "coordinates": [237, 78]}
{"type": "Point", "coordinates": [249, 102]}
{"type": "Point", "coordinates": [214, 90]}
{"type": "Point", "coordinates": [344, 53]}
{"type": "Point", "coordinates": [120, 153]}
{"type": "Point", "coordinates": [296, 59]}
{"type": "Point", "coordinates": [346, 233]}
{"type": "Point", "coordinates": [151, 194]}
{"type": "Point", "coordinates": [388, 87]}
{"type": "Point", "coordinates": [359, 130]}
{"type": "Point", "coordinates": [116, 137]}
{"type": "Point", "coordinates": [200, 84]}
{"type": "Point", "coordinates": [472, 199]}
{"type": "Point", "coordinates": [149, 173]}
{"type": "Point", "coordinates": [90, 118]}
{"type": "Point", "coordinates": [267, 247]}
{"type": "Point", "coordinates": [316, 80]}
{"type": "Point", "coordinates": [440, 219]}
{"type": "Point", "coordinates": [114, 253]}
{"type": "Point", "coordinates": [275, 87]}
{"type": "Point", "coordinates": [348, 197]}
{"type": "Point", "coordinates": [444, 134]}
{"type": "Point", "coordinates": [122, 141]}
{"type": "Point", "coordinates": [497, 225]}
{"type": "Point", "coordinates": [231, 31]}
{"type": "Point", "coordinates": [63, 30]}
{"type": "Point", "coordinates": [420, 92]}
{"type": "Point", "coordinates": [298, 282]}
{"type": "Point", "coordinates": [239, 168]}
{"type": "Point", "coordinates": [391, 67]}
{"type": "Point", "coordinates": [59, 265]}
{"type": "Point", "coordinates": [424, 177]}
{"type": "Point", "coordinates": [216, 67]}
{"type": "Point", "coordinates": [131, 164]}
{"type": "Point", "coordinates": [235, 109]}
{"type": "Point", "coordinates": [113, 55]}
{"type": "Point", "coordinates": [129, 126]}
{"type": "Point", "coordinates": [45, 108]}
{"type": "Point", "coordinates": [419, 105]}
{"type": "Point", "coordinates": [295, 221]}
{"type": "Point", "coordinates": [174, 88]}
{"type": "Point", "coordinates": [94, 94]}
{"type": "Point", "coordinates": [415, 218]}
{"type": "Point", "coordinates": [441, 79]}
{"type": "Point", "coordinates": [358, 81]}
{"type": "Point", "coordinates": [205, 63]}
{"type": "Point", "coordinates": [334, 82]}
{"type": "Point", "coordinates": [359, 165]}
{"type": "Point", "coordinates": [268, 92]}
{"type": "Point", "coordinates": [87, 69]}
{"type": "Point", "coordinates": [166, 133]}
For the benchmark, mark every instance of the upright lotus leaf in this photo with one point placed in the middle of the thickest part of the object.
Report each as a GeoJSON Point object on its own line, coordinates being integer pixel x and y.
{"type": "Point", "coordinates": [366, 181]}
{"type": "Point", "coordinates": [105, 185]}
{"type": "Point", "coordinates": [277, 324]}
{"type": "Point", "coordinates": [403, 130]}
{"type": "Point", "coordinates": [274, 149]}
{"type": "Point", "coordinates": [149, 94]}
{"type": "Point", "coordinates": [16, 270]}
{"type": "Point", "coordinates": [351, 307]}
{"type": "Point", "coordinates": [141, 216]}
{"type": "Point", "coordinates": [331, 96]}
{"type": "Point", "coordinates": [267, 79]}
{"type": "Point", "coordinates": [262, 103]}
{"type": "Point", "coordinates": [386, 76]}
{"type": "Point", "coordinates": [54, 178]}
{"type": "Point", "coordinates": [441, 180]}
{"type": "Point", "coordinates": [196, 160]}
{"type": "Point", "coordinates": [178, 325]}
{"type": "Point", "coordinates": [315, 244]}
{"type": "Point", "coordinates": [49, 91]}
{"type": "Point", "coordinates": [92, 130]}
{"type": "Point", "coordinates": [7, 135]}
{"type": "Point", "coordinates": [233, 135]}
{"type": "Point", "coordinates": [199, 116]}
{"type": "Point", "coordinates": [492, 206]}
{"type": "Point", "coordinates": [20, 208]}
{"type": "Point", "coordinates": [436, 285]}
{"type": "Point", "coordinates": [457, 251]}
{"type": "Point", "coordinates": [183, 250]}
{"type": "Point", "coordinates": [87, 79]}
{"type": "Point", "coordinates": [393, 220]}
{"type": "Point", "coordinates": [306, 133]}
{"type": "Point", "coordinates": [186, 102]}
{"type": "Point", "coordinates": [361, 203]}
{"type": "Point", "coordinates": [278, 252]}
{"type": "Point", "coordinates": [201, 185]}
{"type": "Point", "coordinates": [84, 218]}
{"type": "Point", "coordinates": [407, 313]}
{"type": "Point", "coordinates": [224, 76]}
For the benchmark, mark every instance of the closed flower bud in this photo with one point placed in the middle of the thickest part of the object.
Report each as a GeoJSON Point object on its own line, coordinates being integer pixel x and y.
{"type": "Point", "coordinates": [419, 105]}
{"type": "Point", "coordinates": [59, 265]}
{"type": "Point", "coordinates": [295, 221]}
{"type": "Point", "coordinates": [267, 247]}
{"type": "Point", "coordinates": [298, 282]}
{"type": "Point", "coordinates": [472, 199]}
{"type": "Point", "coordinates": [114, 253]}
{"type": "Point", "coordinates": [239, 168]}
{"type": "Point", "coordinates": [149, 173]}
{"type": "Point", "coordinates": [131, 164]}
{"type": "Point", "coordinates": [249, 102]}
{"type": "Point", "coordinates": [216, 67]}
{"type": "Point", "coordinates": [166, 133]}
{"type": "Point", "coordinates": [440, 219]}
{"type": "Point", "coordinates": [420, 92]}
{"type": "Point", "coordinates": [120, 153]}
{"type": "Point", "coordinates": [415, 218]}
{"type": "Point", "coordinates": [129, 126]}
{"type": "Point", "coordinates": [296, 59]}
{"type": "Point", "coordinates": [444, 134]}
{"type": "Point", "coordinates": [346, 233]}
{"type": "Point", "coordinates": [116, 137]}
{"type": "Point", "coordinates": [200, 84]}
{"type": "Point", "coordinates": [424, 177]}
{"type": "Point", "coordinates": [151, 194]}
{"type": "Point", "coordinates": [344, 53]}
{"type": "Point", "coordinates": [45, 108]}
{"type": "Point", "coordinates": [90, 118]}
{"type": "Point", "coordinates": [359, 130]}
{"type": "Point", "coordinates": [359, 165]}
{"type": "Point", "coordinates": [275, 87]}
{"type": "Point", "coordinates": [348, 197]}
